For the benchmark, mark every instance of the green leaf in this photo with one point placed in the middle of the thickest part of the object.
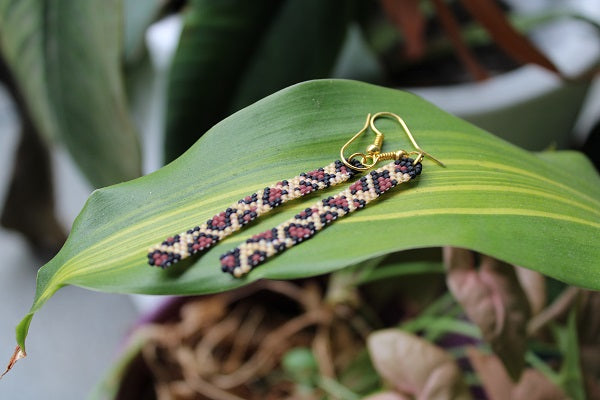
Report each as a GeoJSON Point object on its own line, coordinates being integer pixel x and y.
{"type": "Point", "coordinates": [66, 58]}
{"type": "Point", "coordinates": [399, 269]}
{"type": "Point", "coordinates": [542, 212]}
{"type": "Point", "coordinates": [301, 365]}
{"type": "Point", "coordinates": [570, 376]}
{"type": "Point", "coordinates": [216, 45]}
{"type": "Point", "coordinates": [233, 53]}
{"type": "Point", "coordinates": [23, 47]}
{"type": "Point", "coordinates": [303, 43]}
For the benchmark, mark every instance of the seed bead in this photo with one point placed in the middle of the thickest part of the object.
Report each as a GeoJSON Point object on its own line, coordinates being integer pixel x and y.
{"type": "Point", "coordinates": [306, 224]}
{"type": "Point", "coordinates": [244, 211]}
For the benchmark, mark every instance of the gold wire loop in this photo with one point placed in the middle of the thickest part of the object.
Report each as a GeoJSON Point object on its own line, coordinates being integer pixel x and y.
{"type": "Point", "coordinates": [421, 153]}
{"type": "Point", "coordinates": [378, 141]}
{"type": "Point", "coordinates": [367, 160]}
{"type": "Point", "coordinates": [373, 153]}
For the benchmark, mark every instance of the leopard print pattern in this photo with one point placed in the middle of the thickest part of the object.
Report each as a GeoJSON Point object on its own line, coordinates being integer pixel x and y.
{"type": "Point", "coordinates": [244, 211]}
{"type": "Point", "coordinates": [306, 224]}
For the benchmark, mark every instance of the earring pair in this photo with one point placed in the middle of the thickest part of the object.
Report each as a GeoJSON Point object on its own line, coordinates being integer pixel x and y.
{"type": "Point", "coordinates": [306, 224]}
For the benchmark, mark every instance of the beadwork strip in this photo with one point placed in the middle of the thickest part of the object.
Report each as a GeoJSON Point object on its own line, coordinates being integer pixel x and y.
{"type": "Point", "coordinates": [199, 238]}
{"type": "Point", "coordinates": [306, 224]}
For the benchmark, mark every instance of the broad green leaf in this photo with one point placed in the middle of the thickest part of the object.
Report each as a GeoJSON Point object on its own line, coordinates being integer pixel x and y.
{"type": "Point", "coordinates": [216, 44]}
{"type": "Point", "coordinates": [492, 197]}
{"type": "Point", "coordinates": [66, 58]}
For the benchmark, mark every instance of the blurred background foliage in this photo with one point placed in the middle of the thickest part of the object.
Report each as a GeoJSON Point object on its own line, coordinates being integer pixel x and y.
{"type": "Point", "coordinates": [81, 72]}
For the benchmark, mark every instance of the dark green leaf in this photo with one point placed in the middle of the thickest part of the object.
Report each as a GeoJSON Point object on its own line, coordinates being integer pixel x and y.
{"type": "Point", "coordinates": [216, 45]}
{"type": "Point", "coordinates": [235, 52]}
{"type": "Point", "coordinates": [303, 43]}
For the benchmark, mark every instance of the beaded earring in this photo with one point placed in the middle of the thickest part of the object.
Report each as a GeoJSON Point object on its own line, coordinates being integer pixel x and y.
{"type": "Point", "coordinates": [306, 224]}
{"type": "Point", "coordinates": [244, 211]}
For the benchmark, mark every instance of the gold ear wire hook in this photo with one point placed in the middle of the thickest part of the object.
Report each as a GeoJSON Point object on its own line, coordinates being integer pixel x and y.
{"type": "Point", "coordinates": [372, 151]}
{"type": "Point", "coordinates": [398, 154]}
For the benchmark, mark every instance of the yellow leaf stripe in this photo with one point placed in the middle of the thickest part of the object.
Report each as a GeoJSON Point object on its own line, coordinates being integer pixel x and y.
{"type": "Point", "coordinates": [523, 212]}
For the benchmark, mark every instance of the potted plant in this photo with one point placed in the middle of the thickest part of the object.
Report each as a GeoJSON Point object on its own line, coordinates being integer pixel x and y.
{"type": "Point", "coordinates": [323, 334]}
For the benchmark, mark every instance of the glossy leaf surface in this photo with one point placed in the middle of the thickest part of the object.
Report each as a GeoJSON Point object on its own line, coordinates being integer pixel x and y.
{"type": "Point", "coordinates": [542, 213]}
